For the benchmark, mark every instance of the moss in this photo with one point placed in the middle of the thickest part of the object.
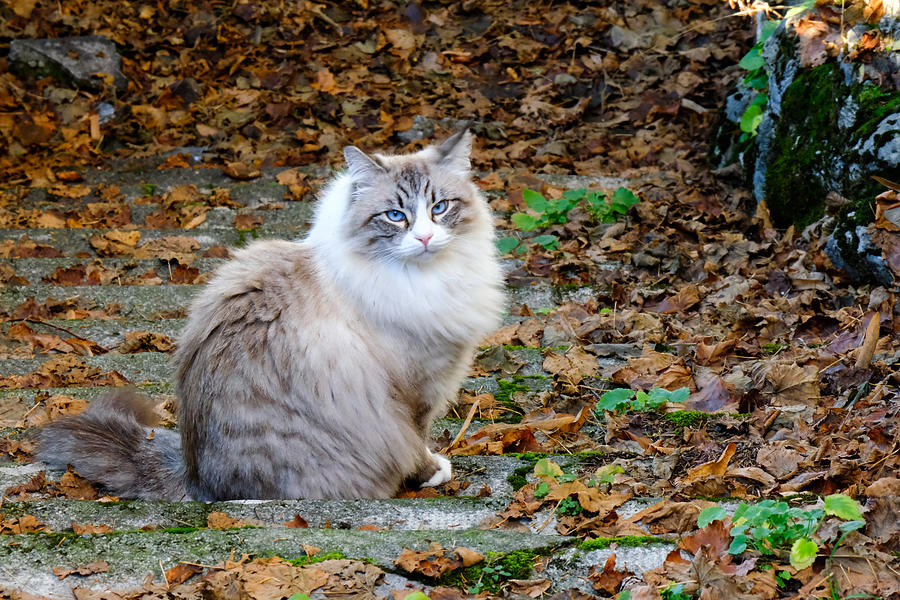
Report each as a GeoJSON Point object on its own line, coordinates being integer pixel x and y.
{"type": "Point", "coordinates": [310, 560]}
{"type": "Point", "coordinates": [694, 418]}
{"type": "Point", "coordinates": [794, 190]}
{"type": "Point", "coordinates": [518, 564]}
{"type": "Point", "coordinates": [622, 540]}
{"type": "Point", "coordinates": [503, 396]}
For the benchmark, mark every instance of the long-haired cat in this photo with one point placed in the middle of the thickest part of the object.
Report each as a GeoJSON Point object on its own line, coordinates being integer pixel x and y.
{"type": "Point", "coordinates": [314, 368]}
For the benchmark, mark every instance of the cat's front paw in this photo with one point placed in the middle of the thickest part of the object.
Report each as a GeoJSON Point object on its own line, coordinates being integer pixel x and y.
{"type": "Point", "coordinates": [443, 472]}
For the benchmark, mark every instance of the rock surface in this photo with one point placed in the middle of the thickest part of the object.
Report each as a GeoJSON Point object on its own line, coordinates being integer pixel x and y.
{"type": "Point", "coordinates": [83, 61]}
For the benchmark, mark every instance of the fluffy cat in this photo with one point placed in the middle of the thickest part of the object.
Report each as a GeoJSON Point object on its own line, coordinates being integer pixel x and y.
{"type": "Point", "coordinates": [314, 368]}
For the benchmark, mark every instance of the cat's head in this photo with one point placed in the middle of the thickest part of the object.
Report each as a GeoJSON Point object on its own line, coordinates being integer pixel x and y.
{"type": "Point", "coordinates": [412, 208]}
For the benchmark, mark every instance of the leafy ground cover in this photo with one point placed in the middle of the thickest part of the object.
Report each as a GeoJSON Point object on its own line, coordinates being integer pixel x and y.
{"type": "Point", "coordinates": [695, 353]}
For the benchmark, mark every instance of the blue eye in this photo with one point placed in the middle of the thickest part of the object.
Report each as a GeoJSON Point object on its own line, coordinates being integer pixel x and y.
{"type": "Point", "coordinates": [395, 215]}
{"type": "Point", "coordinates": [439, 208]}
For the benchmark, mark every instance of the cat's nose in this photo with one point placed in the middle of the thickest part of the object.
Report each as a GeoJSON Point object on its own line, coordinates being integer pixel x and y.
{"type": "Point", "coordinates": [423, 237]}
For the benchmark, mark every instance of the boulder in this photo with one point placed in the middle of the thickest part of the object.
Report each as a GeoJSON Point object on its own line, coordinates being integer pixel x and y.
{"type": "Point", "coordinates": [86, 62]}
{"type": "Point", "coordinates": [830, 123]}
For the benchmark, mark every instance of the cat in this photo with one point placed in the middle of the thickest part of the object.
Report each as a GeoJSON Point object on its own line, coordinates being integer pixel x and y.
{"type": "Point", "coordinates": [314, 368]}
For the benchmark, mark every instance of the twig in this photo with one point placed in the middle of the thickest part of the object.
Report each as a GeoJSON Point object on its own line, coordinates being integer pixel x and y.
{"type": "Point", "coordinates": [465, 425]}
{"type": "Point", "coordinates": [63, 329]}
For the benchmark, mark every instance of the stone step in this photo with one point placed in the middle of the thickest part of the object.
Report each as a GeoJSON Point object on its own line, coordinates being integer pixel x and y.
{"type": "Point", "coordinates": [109, 333]}
{"type": "Point", "coordinates": [143, 302]}
{"type": "Point", "coordinates": [38, 270]}
{"type": "Point", "coordinates": [27, 559]}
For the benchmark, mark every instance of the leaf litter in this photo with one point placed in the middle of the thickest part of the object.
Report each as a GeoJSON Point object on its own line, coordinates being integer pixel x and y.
{"type": "Point", "coordinates": [791, 370]}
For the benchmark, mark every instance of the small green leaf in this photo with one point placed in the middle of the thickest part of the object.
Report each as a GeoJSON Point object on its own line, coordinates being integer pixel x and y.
{"type": "Point", "coordinates": [506, 245]}
{"type": "Point", "coordinates": [547, 467]}
{"type": "Point", "coordinates": [302, 596]}
{"type": "Point", "coordinates": [413, 596]}
{"type": "Point", "coordinates": [851, 526]}
{"type": "Point", "coordinates": [843, 506]}
{"type": "Point", "coordinates": [710, 514]}
{"type": "Point", "coordinates": [625, 197]}
{"type": "Point", "coordinates": [548, 241]}
{"type": "Point", "coordinates": [607, 473]}
{"type": "Point", "coordinates": [738, 544]}
{"type": "Point", "coordinates": [752, 60]}
{"type": "Point", "coordinates": [679, 395]}
{"type": "Point", "coordinates": [612, 399]}
{"type": "Point", "coordinates": [541, 490]}
{"type": "Point", "coordinates": [750, 120]}
{"type": "Point", "coordinates": [534, 200]}
{"type": "Point", "coordinates": [803, 553]}
{"type": "Point", "coordinates": [624, 595]}
{"type": "Point", "coordinates": [525, 221]}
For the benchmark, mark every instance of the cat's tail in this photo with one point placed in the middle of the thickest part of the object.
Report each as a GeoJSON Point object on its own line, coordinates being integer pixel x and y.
{"type": "Point", "coordinates": [113, 443]}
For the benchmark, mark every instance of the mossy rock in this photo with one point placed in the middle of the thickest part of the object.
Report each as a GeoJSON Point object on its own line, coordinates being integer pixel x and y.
{"type": "Point", "coordinates": [823, 131]}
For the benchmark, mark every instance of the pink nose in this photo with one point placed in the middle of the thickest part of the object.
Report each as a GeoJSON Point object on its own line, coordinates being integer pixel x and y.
{"type": "Point", "coordinates": [423, 238]}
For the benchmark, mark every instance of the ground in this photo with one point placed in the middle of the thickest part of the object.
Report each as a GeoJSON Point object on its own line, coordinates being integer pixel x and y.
{"type": "Point", "coordinates": [746, 366]}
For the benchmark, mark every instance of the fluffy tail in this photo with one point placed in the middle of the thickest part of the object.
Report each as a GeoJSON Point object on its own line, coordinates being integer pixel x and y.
{"type": "Point", "coordinates": [113, 443]}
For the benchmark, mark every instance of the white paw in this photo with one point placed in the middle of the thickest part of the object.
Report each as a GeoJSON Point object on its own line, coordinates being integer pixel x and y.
{"type": "Point", "coordinates": [443, 474]}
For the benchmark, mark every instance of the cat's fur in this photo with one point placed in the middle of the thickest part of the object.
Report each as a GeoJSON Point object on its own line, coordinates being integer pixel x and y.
{"type": "Point", "coordinates": [314, 368]}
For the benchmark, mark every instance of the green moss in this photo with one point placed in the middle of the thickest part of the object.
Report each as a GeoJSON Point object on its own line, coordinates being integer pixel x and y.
{"type": "Point", "coordinates": [694, 418]}
{"type": "Point", "coordinates": [503, 395]}
{"type": "Point", "coordinates": [622, 540]}
{"type": "Point", "coordinates": [518, 564]}
{"type": "Point", "coordinates": [310, 560]}
{"type": "Point", "coordinates": [794, 190]}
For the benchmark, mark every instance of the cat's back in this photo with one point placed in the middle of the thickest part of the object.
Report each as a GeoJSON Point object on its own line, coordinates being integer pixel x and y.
{"type": "Point", "coordinates": [256, 287]}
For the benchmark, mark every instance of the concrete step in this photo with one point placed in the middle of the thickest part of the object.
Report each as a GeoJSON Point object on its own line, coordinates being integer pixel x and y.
{"type": "Point", "coordinates": [27, 559]}
{"type": "Point", "coordinates": [142, 302]}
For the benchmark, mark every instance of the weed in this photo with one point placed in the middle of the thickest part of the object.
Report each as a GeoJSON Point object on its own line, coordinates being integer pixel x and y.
{"type": "Point", "coordinates": [551, 211]}
{"type": "Point", "coordinates": [775, 528]}
{"type": "Point", "coordinates": [629, 400]}
{"type": "Point", "coordinates": [757, 78]}
{"type": "Point", "coordinates": [675, 591]}
{"type": "Point", "coordinates": [148, 189]}
{"type": "Point", "coordinates": [569, 506]}
{"type": "Point", "coordinates": [490, 579]}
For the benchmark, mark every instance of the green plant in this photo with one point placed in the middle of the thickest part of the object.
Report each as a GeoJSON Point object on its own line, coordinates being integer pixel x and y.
{"type": "Point", "coordinates": [605, 475]}
{"type": "Point", "coordinates": [550, 211]}
{"type": "Point", "coordinates": [675, 591]}
{"type": "Point", "coordinates": [302, 596]}
{"type": "Point", "coordinates": [148, 189]}
{"type": "Point", "coordinates": [757, 79]}
{"type": "Point", "coordinates": [630, 400]}
{"type": "Point", "coordinates": [569, 506]}
{"type": "Point", "coordinates": [490, 579]}
{"type": "Point", "coordinates": [775, 528]}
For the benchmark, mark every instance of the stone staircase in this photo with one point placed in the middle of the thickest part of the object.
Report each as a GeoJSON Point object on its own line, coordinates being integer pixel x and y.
{"type": "Point", "coordinates": [144, 537]}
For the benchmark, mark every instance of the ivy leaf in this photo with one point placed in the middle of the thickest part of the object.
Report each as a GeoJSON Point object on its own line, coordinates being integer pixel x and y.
{"type": "Point", "coordinates": [612, 399]}
{"type": "Point", "coordinates": [803, 553]}
{"type": "Point", "coordinates": [751, 119]}
{"type": "Point", "coordinates": [738, 544]}
{"type": "Point", "coordinates": [534, 200]}
{"type": "Point", "coordinates": [710, 514]}
{"type": "Point", "coordinates": [752, 60]}
{"type": "Point", "coordinates": [548, 241]}
{"type": "Point", "coordinates": [525, 221]}
{"type": "Point", "coordinates": [623, 198]}
{"type": "Point", "coordinates": [851, 526]}
{"type": "Point", "coordinates": [843, 506]}
{"type": "Point", "coordinates": [546, 467]}
{"type": "Point", "coordinates": [506, 245]}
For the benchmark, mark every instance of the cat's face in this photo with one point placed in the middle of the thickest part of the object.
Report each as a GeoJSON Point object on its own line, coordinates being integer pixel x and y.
{"type": "Point", "coordinates": [412, 208]}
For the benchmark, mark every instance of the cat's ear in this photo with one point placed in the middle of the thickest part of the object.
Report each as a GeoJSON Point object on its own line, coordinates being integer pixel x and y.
{"type": "Point", "coordinates": [454, 152]}
{"type": "Point", "coordinates": [362, 167]}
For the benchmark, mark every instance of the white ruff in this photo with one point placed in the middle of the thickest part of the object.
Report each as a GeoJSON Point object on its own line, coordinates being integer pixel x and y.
{"type": "Point", "coordinates": [454, 297]}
